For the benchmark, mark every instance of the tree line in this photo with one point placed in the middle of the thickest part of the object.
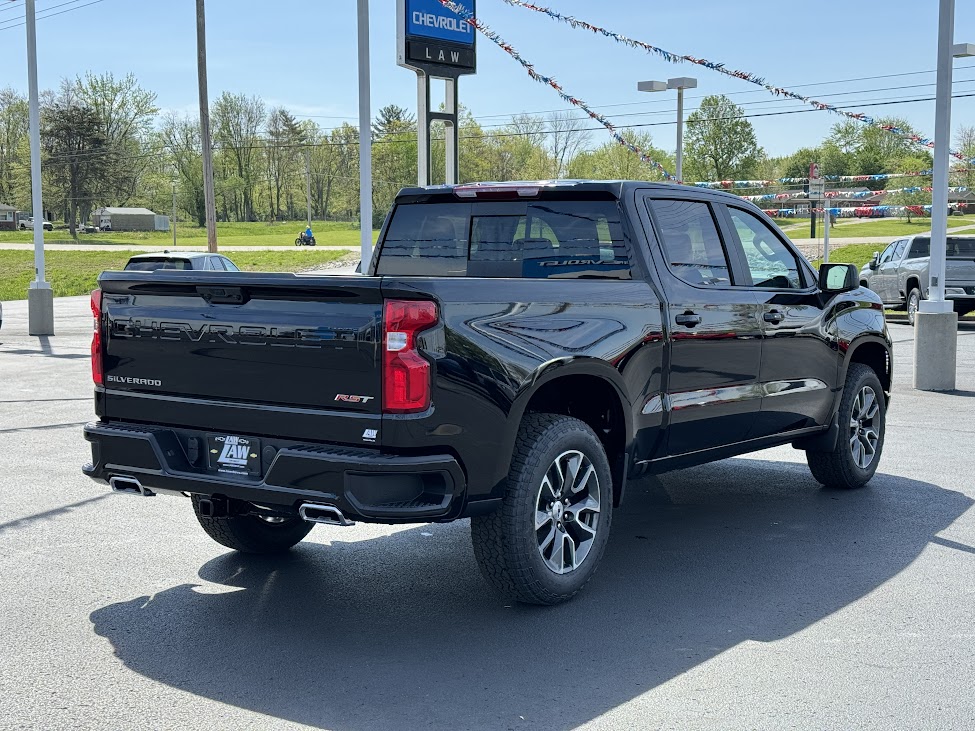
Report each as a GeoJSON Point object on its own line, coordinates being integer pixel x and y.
{"type": "Point", "coordinates": [105, 142]}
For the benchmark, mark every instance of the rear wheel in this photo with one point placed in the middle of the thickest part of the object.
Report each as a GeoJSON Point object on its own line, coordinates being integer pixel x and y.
{"type": "Point", "coordinates": [545, 543]}
{"type": "Point", "coordinates": [251, 533]}
{"type": "Point", "coordinates": [862, 420]}
{"type": "Point", "coordinates": [913, 305]}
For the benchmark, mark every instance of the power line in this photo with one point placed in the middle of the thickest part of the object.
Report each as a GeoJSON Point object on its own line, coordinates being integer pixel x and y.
{"type": "Point", "coordinates": [23, 20]}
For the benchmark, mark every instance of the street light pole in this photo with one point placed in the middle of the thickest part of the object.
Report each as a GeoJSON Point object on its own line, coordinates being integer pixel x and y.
{"type": "Point", "coordinates": [680, 83]}
{"type": "Point", "coordinates": [174, 214]}
{"type": "Point", "coordinates": [680, 133]}
{"type": "Point", "coordinates": [40, 296]}
{"type": "Point", "coordinates": [936, 331]}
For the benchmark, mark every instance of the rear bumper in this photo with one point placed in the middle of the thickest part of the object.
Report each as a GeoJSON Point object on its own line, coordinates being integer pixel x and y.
{"type": "Point", "coordinates": [364, 484]}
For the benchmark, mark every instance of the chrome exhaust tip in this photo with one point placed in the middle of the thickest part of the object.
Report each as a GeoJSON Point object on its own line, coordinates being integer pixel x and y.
{"type": "Point", "coordinates": [129, 486]}
{"type": "Point", "coordinates": [321, 513]}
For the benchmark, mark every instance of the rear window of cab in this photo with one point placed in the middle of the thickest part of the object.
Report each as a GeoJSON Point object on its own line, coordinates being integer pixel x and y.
{"type": "Point", "coordinates": [576, 239]}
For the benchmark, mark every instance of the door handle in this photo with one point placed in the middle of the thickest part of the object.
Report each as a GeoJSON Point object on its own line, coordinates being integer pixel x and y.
{"type": "Point", "coordinates": [688, 319]}
{"type": "Point", "coordinates": [773, 316]}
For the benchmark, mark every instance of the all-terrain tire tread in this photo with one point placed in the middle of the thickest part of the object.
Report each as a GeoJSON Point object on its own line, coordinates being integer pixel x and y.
{"type": "Point", "coordinates": [836, 469]}
{"type": "Point", "coordinates": [505, 567]}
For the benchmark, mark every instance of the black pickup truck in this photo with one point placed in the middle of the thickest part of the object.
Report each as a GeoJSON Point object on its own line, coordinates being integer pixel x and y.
{"type": "Point", "coordinates": [513, 354]}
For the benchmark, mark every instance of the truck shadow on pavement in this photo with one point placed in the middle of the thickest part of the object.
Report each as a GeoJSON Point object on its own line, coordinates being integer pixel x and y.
{"type": "Point", "coordinates": [402, 632]}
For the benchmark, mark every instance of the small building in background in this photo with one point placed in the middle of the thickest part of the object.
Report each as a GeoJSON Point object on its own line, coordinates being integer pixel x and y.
{"type": "Point", "coordinates": [128, 219]}
{"type": "Point", "coordinates": [8, 218]}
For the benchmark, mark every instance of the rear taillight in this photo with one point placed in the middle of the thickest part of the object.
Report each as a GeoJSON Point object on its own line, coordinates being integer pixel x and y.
{"type": "Point", "coordinates": [97, 374]}
{"type": "Point", "coordinates": [406, 374]}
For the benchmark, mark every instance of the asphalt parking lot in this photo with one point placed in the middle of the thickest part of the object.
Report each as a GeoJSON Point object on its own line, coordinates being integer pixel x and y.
{"type": "Point", "coordinates": [738, 595]}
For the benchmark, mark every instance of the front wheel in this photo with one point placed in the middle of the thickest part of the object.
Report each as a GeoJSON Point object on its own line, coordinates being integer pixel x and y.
{"type": "Point", "coordinates": [297, 242]}
{"type": "Point", "coordinates": [862, 419]}
{"type": "Point", "coordinates": [545, 542]}
{"type": "Point", "coordinates": [251, 533]}
{"type": "Point", "coordinates": [913, 305]}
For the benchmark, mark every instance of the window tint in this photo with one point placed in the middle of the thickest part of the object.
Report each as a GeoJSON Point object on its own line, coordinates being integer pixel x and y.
{"type": "Point", "coordinates": [770, 262]}
{"type": "Point", "coordinates": [229, 265]}
{"type": "Point", "coordinates": [961, 247]}
{"type": "Point", "coordinates": [151, 265]}
{"type": "Point", "coordinates": [888, 253]}
{"type": "Point", "coordinates": [920, 247]}
{"type": "Point", "coordinates": [690, 240]}
{"type": "Point", "coordinates": [549, 240]}
{"type": "Point", "coordinates": [426, 239]}
{"type": "Point", "coordinates": [542, 239]}
{"type": "Point", "coordinates": [899, 250]}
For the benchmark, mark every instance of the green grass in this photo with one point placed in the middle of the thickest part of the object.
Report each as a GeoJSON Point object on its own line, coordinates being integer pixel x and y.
{"type": "Point", "coordinates": [76, 272]}
{"type": "Point", "coordinates": [228, 234]}
{"type": "Point", "coordinates": [888, 227]}
{"type": "Point", "coordinates": [858, 254]}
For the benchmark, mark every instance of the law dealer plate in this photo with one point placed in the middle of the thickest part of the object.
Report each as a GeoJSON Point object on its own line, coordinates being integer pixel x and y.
{"type": "Point", "coordinates": [230, 455]}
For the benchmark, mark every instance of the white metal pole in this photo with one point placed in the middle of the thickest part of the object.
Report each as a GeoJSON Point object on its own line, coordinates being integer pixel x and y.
{"type": "Point", "coordinates": [942, 135]}
{"type": "Point", "coordinates": [174, 214]}
{"type": "Point", "coordinates": [825, 230]}
{"type": "Point", "coordinates": [365, 138]}
{"type": "Point", "coordinates": [40, 296]}
{"type": "Point", "coordinates": [680, 133]}
{"type": "Point", "coordinates": [35, 146]}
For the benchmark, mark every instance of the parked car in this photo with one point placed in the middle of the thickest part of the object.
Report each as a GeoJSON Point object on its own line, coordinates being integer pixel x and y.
{"type": "Point", "coordinates": [199, 261]}
{"type": "Point", "coordinates": [900, 275]}
{"type": "Point", "coordinates": [512, 354]}
{"type": "Point", "coordinates": [27, 224]}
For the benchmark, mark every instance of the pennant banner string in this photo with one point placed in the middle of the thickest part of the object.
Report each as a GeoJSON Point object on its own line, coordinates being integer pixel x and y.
{"type": "Point", "coordinates": [481, 28]}
{"type": "Point", "coordinates": [720, 68]}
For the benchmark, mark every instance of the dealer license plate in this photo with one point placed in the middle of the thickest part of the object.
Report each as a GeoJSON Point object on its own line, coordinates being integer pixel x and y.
{"type": "Point", "coordinates": [232, 455]}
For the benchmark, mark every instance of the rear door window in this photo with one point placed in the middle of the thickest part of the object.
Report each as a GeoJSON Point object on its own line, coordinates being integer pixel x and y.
{"type": "Point", "coordinates": [579, 239]}
{"type": "Point", "coordinates": [691, 242]}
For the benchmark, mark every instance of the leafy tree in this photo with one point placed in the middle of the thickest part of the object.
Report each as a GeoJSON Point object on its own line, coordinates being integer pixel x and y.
{"type": "Point", "coordinates": [392, 119]}
{"type": "Point", "coordinates": [181, 137]}
{"type": "Point", "coordinates": [238, 121]}
{"type": "Point", "coordinates": [284, 159]}
{"type": "Point", "coordinates": [908, 199]}
{"type": "Point", "coordinates": [872, 150]}
{"type": "Point", "coordinates": [76, 154]}
{"type": "Point", "coordinates": [613, 161]}
{"type": "Point", "coordinates": [720, 143]}
{"type": "Point", "coordinates": [13, 133]}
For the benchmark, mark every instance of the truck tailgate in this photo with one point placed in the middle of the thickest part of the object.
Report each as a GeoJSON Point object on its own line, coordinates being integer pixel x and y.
{"type": "Point", "coordinates": [244, 353]}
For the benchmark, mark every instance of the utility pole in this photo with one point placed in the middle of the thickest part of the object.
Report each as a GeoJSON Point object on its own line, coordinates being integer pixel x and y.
{"type": "Point", "coordinates": [174, 214]}
{"type": "Point", "coordinates": [40, 296]}
{"type": "Point", "coordinates": [365, 139]}
{"type": "Point", "coordinates": [308, 182]}
{"type": "Point", "coordinates": [208, 194]}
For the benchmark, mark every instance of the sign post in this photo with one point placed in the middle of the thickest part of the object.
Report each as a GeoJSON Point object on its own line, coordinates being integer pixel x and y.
{"type": "Point", "coordinates": [436, 43]}
{"type": "Point", "coordinates": [817, 195]}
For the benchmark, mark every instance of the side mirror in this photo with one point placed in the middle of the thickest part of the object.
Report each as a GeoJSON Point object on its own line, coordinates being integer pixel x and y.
{"type": "Point", "coordinates": [837, 278]}
{"type": "Point", "coordinates": [873, 262]}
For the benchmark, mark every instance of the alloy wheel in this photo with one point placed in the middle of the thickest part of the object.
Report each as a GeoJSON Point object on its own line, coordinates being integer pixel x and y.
{"type": "Point", "coordinates": [865, 427]}
{"type": "Point", "coordinates": [567, 512]}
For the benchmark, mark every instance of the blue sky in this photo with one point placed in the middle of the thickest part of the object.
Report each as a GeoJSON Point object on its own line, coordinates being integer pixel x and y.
{"type": "Point", "coordinates": [301, 54]}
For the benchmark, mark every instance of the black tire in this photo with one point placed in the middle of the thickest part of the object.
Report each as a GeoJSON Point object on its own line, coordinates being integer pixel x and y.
{"type": "Point", "coordinates": [250, 534]}
{"type": "Point", "coordinates": [842, 468]}
{"type": "Point", "coordinates": [507, 542]}
{"type": "Point", "coordinates": [914, 298]}
{"type": "Point", "coordinates": [297, 242]}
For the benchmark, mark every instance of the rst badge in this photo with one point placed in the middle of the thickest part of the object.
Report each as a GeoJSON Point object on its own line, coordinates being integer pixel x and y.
{"type": "Point", "coordinates": [350, 399]}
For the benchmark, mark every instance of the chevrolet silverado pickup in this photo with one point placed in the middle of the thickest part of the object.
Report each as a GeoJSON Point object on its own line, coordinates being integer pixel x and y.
{"type": "Point", "coordinates": [512, 354]}
{"type": "Point", "coordinates": [900, 275]}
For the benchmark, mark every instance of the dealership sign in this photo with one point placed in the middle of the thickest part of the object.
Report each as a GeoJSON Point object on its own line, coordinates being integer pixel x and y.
{"type": "Point", "coordinates": [434, 39]}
